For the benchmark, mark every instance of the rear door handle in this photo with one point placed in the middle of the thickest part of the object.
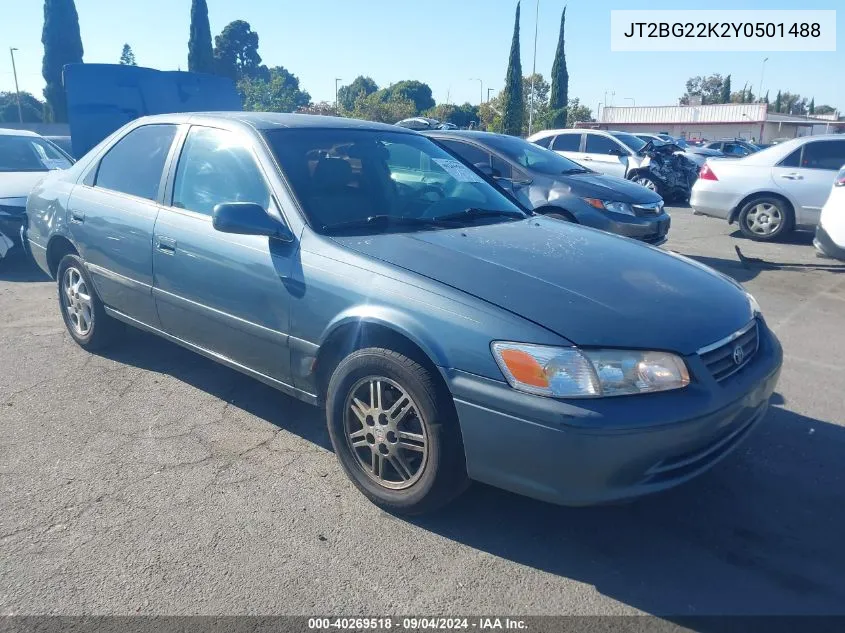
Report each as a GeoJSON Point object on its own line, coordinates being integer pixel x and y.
{"type": "Point", "coordinates": [586, 158]}
{"type": "Point", "coordinates": [77, 216]}
{"type": "Point", "coordinates": [793, 176]}
{"type": "Point", "coordinates": [165, 244]}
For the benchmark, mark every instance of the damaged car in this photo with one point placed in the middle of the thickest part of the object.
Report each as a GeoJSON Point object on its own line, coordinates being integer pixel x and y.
{"type": "Point", "coordinates": [624, 155]}
{"type": "Point", "coordinates": [24, 159]}
{"type": "Point", "coordinates": [551, 185]}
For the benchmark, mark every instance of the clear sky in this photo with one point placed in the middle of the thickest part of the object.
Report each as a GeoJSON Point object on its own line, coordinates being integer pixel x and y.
{"type": "Point", "coordinates": [444, 43]}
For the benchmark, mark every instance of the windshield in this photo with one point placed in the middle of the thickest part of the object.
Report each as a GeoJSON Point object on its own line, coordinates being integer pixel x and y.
{"type": "Point", "coordinates": [346, 178]}
{"type": "Point", "coordinates": [533, 157]}
{"type": "Point", "coordinates": [630, 140]}
{"type": "Point", "coordinates": [29, 153]}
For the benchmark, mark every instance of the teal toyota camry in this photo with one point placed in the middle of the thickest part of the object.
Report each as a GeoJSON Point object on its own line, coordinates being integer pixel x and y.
{"type": "Point", "coordinates": [450, 335]}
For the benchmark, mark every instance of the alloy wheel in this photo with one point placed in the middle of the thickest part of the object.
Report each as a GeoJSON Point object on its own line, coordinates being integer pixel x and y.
{"type": "Point", "coordinates": [764, 219]}
{"type": "Point", "coordinates": [648, 183]}
{"type": "Point", "coordinates": [385, 432]}
{"type": "Point", "coordinates": [76, 299]}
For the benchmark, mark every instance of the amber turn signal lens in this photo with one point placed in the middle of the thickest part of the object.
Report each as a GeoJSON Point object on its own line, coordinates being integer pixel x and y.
{"type": "Point", "coordinates": [524, 368]}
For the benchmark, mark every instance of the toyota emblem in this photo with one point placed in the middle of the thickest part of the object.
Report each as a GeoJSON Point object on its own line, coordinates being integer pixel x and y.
{"type": "Point", "coordinates": [739, 355]}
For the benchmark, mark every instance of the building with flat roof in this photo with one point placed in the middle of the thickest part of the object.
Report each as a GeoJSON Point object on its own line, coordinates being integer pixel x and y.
{"type": "Point", "coordinates": [750, 121]}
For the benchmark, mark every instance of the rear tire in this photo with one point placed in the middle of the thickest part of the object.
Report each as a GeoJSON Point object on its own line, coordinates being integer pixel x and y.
{"type": "Point", "coordinates": [765, 219]}
{"type": "Point", "coordinates": [393, 431]}
{"type": "Point", "coordinates": [82, 311]}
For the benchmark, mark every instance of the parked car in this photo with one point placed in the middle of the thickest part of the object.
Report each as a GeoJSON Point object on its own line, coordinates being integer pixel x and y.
{"type": "Point", "coordinates": [773, 191]}
{"type": "Point", "coordinates": [449, 334]}
{"type": "Point", "coordinates": [24, 159]}
{"type": "Point", "coordinates": [419, 123]}
{"type": "Point", "coordinates": [62, 142]}
{"type": "Point", "coordinates": [550, 184]}
{"type": "Point", "coordinates": [734, 147]}
{"type": "Point", "coordinates": [698, 155]}
{"type": "Point", "coordinates": [624, 155]}
{"type": "Point", "coordinates": [830, 233]}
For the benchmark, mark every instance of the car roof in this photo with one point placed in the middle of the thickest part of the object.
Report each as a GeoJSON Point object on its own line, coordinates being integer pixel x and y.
{"type": "Point", "coordinates": [479, 135]}
{"type": "Point", "coordinates": [276, 120]}
{"type": "Point", "coordinates": [12, 132]}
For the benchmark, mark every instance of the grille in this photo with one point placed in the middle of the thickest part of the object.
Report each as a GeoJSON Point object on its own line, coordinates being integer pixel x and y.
{"type": "Point", "coordinates": [728, 356]}
{"type": "Point", "coordinates": [653, 208]}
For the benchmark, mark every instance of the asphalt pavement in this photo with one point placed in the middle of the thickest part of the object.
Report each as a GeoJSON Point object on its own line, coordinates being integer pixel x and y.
{"type": "Point", "coordinates": [147, 479]}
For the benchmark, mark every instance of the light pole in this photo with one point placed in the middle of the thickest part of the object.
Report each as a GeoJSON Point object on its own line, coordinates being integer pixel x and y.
{"type": "Point", "coordinates": [533, 71]}
{"type": "Point", "coordinates": [598, 111]}
{"type": "Point", "coordinates": [762, 71]}
{"type": "Point", "coordinates": [17, 90]}
{"type": "Point", "coordinates": [480, 89]}
{"type": "Point", "coordinates": [337, 80]}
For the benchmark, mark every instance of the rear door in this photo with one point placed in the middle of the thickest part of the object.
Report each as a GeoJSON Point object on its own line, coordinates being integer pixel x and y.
{"type": "Point", "coordinates": [605, 155]}
{"type": "Point", "coordinates": [807, 176]}
{"type": "Point", "coordinates": [112, 214]}
{"type": "Point", "coordinates": [225, 293]}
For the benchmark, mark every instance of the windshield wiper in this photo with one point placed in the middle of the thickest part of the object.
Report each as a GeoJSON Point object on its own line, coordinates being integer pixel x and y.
{"type": "Point", "coordinates": [381, 221]}
{"type": "Point", "coordinates": [474, 213]}
{"type": "Point", "coordinates": [576, 170]}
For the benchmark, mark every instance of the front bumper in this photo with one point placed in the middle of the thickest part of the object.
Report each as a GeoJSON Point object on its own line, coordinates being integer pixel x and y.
{"type": "Point", "coordinates": [826, 246]}
{"type": "Point", "coordinates": [652, 229]}
{"type": "Point", "coordinates": [591, 451]}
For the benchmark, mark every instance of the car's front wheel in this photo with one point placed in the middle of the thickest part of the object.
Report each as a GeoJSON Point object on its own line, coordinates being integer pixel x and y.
{"type": "Point", "coordinates": [394, 432]}
{"type": "Point", "coordinates": [83, 313]}
{"type": "Point", "coordinates": [646, 180]}
{"type": "Point", "coordinates": [765, 219]}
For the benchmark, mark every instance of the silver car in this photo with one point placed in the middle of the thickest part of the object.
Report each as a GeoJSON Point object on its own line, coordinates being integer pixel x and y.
{"type": "Point", "coordinates": [777, 190]}
{"type": "Point", "coordinates": [698, 155]}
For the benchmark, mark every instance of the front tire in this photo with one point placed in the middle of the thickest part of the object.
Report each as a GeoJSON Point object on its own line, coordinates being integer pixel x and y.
{"type": "Point", "coordinates": [394, 432]}
{"type": "Point", "coordinates": [649, 182]}
{"type": "Point", "coordinates": [765, 219]}
{"type": "Point", "coordinates": [83, 313]}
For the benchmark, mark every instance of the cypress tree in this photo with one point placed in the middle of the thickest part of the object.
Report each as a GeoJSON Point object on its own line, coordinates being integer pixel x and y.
{"type": "Point", "coordinates": [812, 107]}
{"type": "Point", "coordinates": [62, 45]}
{"type": "Point", "coordinates": [512, 97]}
{"type": "Point", "coordinates": [560, 80]}
{"type": "Point", "coordinates": [200, 52]}
{"type": "Point", "coordinates": [778, 104]}
{"type": "Point", "coordinates": [725, 97]}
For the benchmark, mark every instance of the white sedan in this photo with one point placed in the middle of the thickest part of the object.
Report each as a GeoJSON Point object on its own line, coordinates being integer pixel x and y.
{"type": "Point", "coordinates": [774, 191]}
{"type": "Point", "coordinates": [830, 233]}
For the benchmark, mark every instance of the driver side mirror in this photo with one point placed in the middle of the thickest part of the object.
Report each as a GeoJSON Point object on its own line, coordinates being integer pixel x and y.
{"type": "Point", "coordinates": [248, 218]}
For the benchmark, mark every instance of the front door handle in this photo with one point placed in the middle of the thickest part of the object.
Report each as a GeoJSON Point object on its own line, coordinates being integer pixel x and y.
{"type": "Point", "coordinates": [793, 177]}
{"type": "Point", "coordinates": [77, 217]}
{"type": "Point", "coordinates": [586, 158]}
{"type": "Point", "coordinates": [166, 244]}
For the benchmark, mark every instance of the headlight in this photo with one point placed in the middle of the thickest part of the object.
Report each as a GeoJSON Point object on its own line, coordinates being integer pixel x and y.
{"type": "Point", "coordinates": [569, 372]}
{"type": "Point", "coordinates": [755, 307]}
{"type": "Point", "coordinates": [608, 205]}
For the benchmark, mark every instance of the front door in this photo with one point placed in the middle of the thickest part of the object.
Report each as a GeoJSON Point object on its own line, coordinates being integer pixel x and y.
{"type": "Point", "coordinates": [222, 292]}
{"type": "Point", "coordinates": [605, 155]}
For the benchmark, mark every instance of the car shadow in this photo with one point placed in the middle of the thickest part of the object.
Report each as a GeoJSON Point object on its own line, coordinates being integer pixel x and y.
{"type": "Point", "coordinates": [759, 534]}
{"type": "Point", "coordinates": [797, 238]}
{"type": "Point", "coordinates": [20, 268]}
{"type": "Point", "coordinates": [745, 268]}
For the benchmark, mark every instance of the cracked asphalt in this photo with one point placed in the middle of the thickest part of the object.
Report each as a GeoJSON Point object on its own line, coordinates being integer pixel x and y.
{"type": "Point", "coordinates": [150, 480]}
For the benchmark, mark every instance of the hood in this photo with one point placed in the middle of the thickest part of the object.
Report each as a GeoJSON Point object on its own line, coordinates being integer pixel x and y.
{"type": "Point", "coordinates": [590, 287]}
{"type": "Point", "coordinates": [18, 184]}
{"type": "Point", "coordinates": [594, 185]}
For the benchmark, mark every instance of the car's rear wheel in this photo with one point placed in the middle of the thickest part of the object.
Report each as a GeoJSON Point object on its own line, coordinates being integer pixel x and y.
{"type": "Point", "coordinates": [765, 219]}
{"type": "Point", "coordinates": [83, 313]}
{"type": "Point", "coordinates": [394, 432]}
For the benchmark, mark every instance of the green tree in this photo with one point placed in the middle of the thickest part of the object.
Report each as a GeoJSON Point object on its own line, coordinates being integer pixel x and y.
{"type": "Point", "coordinates": [708, 88]}
{"type": "Point", "coordinates": [127, 57]}
{"type": "Point", "coordinates": [360, 87]}
{"type": "Point", "coordinates": [236, 52]}
{"type": "Point", "coordinates": [811, 109]}
{"type": "Point", "coordinates": [416, 92]}
{"type": "Point", "coordinates": [512, 103]}
{"type": "Point", "coordinates": [32, 110]}
{"type": "Point", "coordinates": [460, 115]}
{"type": "Point", "coordinates": [383, 107]}
{"type": "Point", "coordinates": [766, 98]}
{"type": "Point", "coordinates": [541, 102]}
{"type": "Point", "coordinates": [560, 81]}
{"type": "Point", "coordinates": [62, 45]}
{"type": "Point", "coordinates": [577, 113]}
{"type": "Point", "coordinates": [824, 109]}
{"type": "Point", "coordinates": [778, 102]}
{"type": "Point", "coordinates": [725, 96]}
{"type": "Point", "coordinates": [200, 51]}
{"type": "Point", "coordinates": [279, 93]}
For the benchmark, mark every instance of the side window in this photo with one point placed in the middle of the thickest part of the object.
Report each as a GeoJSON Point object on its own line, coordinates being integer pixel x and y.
{"type": "Point", "coordinates": [135, 163]}
{"type": "Point", "coordinates": [567, 143]}
{"type": "Point", "coordinates": [734, 149]}
{"type": "Point", "coordinates": [597, 144]}
{"type": "Point", "coordinates": [793, 160]}
{"type": "Point", "coordinates": [216, 166]}
{"type": "Point", "coordinates": [546, 141]}
{"type": "Point", "coordinates": [501, 169]}
{"type": "Point", "coordinates": [824, 155]}
{"type": "Point", "coordinates": [470, 153]}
